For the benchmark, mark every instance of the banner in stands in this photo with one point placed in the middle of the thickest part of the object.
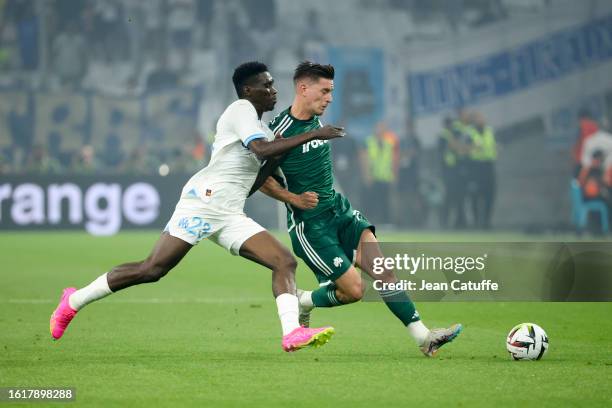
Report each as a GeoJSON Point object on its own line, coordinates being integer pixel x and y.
{"type": "Point", "coordinates": [70, 120]}
{"type": "Point", "coordinates": [502, 73]}
{"type": "Point", "coordinates": [99, 205]}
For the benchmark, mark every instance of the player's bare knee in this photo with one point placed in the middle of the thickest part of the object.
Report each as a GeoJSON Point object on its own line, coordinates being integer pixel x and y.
{"type": "Point", "coordinates": [356, 292]}
{"type": "Point", "coordinates": [351, 293]}
{"type": "Point", "coordinates": [286, 262]}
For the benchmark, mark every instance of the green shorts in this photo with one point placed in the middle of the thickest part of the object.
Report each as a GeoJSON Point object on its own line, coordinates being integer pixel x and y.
{"type": "Point", "coordinates": [328, 242]}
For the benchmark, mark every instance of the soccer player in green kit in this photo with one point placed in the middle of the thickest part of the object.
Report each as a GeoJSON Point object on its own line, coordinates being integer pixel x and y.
{"type": "Point", "coordinates": [326, 232]}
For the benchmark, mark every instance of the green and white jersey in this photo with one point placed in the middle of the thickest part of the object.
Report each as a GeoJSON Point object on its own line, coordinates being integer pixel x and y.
{"type": "Point", "coordinates": [307, 167]}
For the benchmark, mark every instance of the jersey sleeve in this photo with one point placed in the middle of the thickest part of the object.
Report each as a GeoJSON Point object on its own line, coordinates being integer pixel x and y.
{"type": "Point", "coordinates": [245, 123]}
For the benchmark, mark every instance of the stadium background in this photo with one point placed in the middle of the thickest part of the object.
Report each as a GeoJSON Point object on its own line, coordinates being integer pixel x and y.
{"type": "Point", "coordinates": [108, 106]}
{"type": "Point", "coordinates": [116, 90]}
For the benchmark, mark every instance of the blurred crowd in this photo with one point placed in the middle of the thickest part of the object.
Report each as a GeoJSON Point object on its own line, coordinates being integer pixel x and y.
{"type": "Point", "coordinates": [376, 171]}
{"type": "Point", "coordinates": [124, 48]}
{"type": "Point", "coordinates": [468, 152]}
{"type": "Point", "coordinates": [592, 156]}
{"type": "Point", "coordinates": [125, 45]}
{"type": "Point", "coordinates": [76, 40]}
{"type": "Point", "coordinates": [111, 159]}
{"type": "Point", "coordinates": [400, 184]}
{"type": "Point", "coordinates": [133, 48]}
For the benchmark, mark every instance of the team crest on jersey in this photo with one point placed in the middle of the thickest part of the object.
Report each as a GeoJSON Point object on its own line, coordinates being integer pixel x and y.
{"type": "Point", "coordinates": [337, 261]}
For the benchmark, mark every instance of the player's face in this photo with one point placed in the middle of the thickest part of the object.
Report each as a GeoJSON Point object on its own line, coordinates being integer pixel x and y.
{"type": "Point", "coordinates": [262, 92]}
{"type": "Point", "coordinates": [318, 95]}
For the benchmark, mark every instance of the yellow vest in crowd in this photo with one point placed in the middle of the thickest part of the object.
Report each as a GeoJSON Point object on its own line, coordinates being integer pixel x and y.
{"type": "Point", "coordinates": [450, 159]}
{"type": "Point", "coordinates": [380, 158]}
{"type": "Point", "coordinates": [484, 144]}
{"type": "Point", "coordinates": [465, 132]}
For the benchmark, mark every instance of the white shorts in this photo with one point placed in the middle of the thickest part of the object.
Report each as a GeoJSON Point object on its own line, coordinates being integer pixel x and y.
{"type": "Point", "coordinates": [228, 231]}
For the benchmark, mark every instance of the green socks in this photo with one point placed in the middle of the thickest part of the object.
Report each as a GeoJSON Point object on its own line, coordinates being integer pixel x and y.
{"type": "Point", "coordinates": [396, 300]}
{"type": "Point", "coordinates": [325, 296]}
{"type": "Point", "coordinates": [400, 305]}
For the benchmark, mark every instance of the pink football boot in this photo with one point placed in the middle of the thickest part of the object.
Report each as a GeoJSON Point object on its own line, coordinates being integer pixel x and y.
{"type": "Point", "coordinates": [62, 315]}
{"type": "Point", "coordinates": [305, 337]}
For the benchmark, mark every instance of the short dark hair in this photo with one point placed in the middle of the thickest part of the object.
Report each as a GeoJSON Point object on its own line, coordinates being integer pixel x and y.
{"type": "Point", "coordinates": [313, 70]}
{"type": "Point", "coordinates": [245, 72]}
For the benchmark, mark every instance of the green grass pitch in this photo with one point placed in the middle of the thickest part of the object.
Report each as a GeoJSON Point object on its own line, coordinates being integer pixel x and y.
{"type": "Point", "coordinates": [208, 335]}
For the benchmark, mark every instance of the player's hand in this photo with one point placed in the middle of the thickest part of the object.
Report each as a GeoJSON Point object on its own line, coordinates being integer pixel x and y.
{"type": "Point", "coordinates": [330, 132]}
{"type": "Point", "coordinates": [306, 201]}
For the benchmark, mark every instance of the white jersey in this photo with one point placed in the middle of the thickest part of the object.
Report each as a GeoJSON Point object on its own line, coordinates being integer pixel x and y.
{"type": "Point", "coordinates": [222, 186]}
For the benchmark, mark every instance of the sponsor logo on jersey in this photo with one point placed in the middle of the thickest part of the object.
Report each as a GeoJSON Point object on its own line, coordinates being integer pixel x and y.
{"type": "Point", "coordinates": [313, 144]}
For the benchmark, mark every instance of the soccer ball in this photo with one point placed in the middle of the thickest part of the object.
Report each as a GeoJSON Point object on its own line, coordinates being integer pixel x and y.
{"type": "Point", "coordinates": [527, 341]}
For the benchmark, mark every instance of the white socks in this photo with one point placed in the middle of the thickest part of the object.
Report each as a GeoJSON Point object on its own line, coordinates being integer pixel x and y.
{"type": "Point", "coordinates": [305, 298]}
{"type": "Point", "coordinates": [288, 310]}
{"type": "Point", "coordinates": [97, 289]}
{"type": "Point", "coordinates": [418, 331]}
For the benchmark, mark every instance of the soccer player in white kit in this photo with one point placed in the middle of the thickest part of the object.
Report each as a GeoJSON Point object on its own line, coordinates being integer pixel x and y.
{"type": "Point", "coordinates": [212, 206]}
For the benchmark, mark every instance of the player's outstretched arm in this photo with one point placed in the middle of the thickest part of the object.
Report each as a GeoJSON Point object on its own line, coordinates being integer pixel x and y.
{"type": "Point", "coordinates": [264, 172]}
{"type": "Point", "coordinates": [304, 201]}
{"type": "Point", "coordinates": [265, 150]}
